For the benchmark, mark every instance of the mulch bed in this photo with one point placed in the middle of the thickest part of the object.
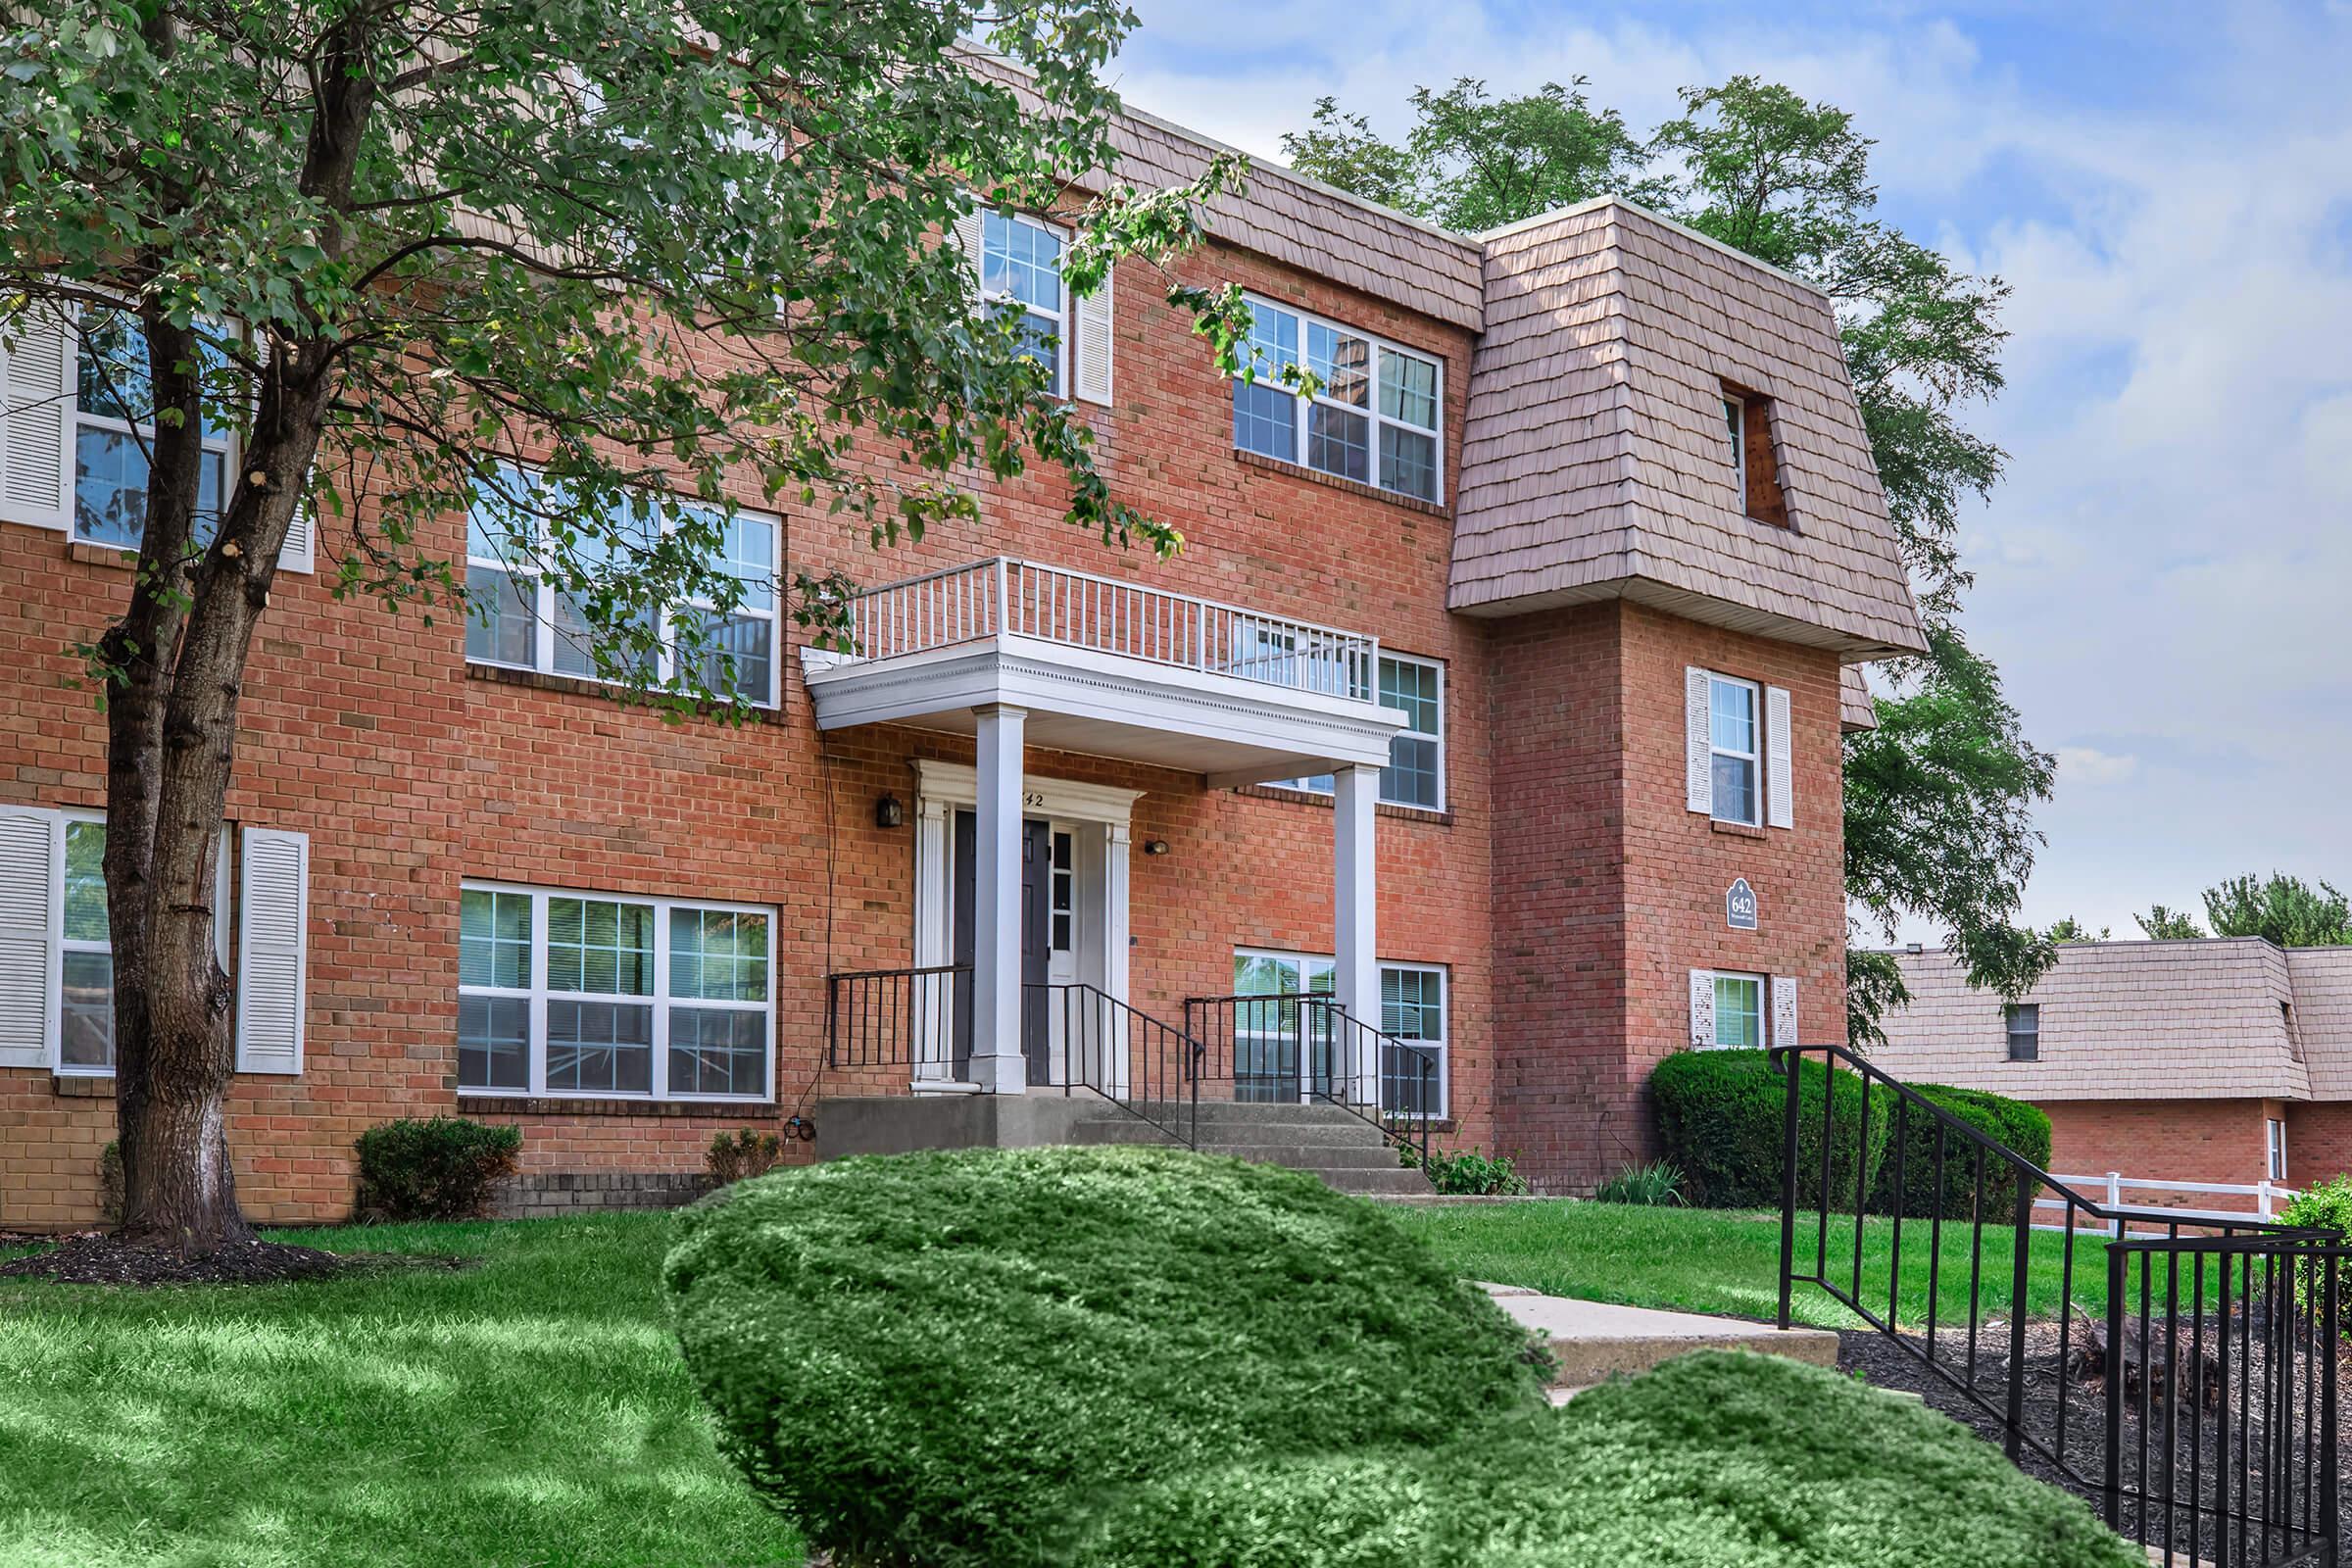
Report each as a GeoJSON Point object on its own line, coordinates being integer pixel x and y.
{"type": "Point", "coordinates": [94, 1257]}
{"type": "Point", "coordinates": [2192, 1429]}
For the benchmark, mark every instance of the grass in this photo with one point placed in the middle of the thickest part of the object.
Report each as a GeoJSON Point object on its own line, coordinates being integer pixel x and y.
{"type": "Point", "coordinates": [1709, 1260]}
{"type": "Point", "coordinates": [532, 1410]}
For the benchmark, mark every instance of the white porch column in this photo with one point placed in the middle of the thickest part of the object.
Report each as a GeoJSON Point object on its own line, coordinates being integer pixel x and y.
{"type": "Point", "coordinates": [934, 1024]}
{"type": "Point", "coordinates": [997, 1062]}
{"type": "Point", "coordinates": [1355, 942]}
{"type": "Point", "coordinates": [1120, 1071]}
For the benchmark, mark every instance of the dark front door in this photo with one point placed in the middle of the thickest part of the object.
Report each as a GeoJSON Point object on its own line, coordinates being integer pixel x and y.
{"type": "Point", "coordinates": [1037, 890]}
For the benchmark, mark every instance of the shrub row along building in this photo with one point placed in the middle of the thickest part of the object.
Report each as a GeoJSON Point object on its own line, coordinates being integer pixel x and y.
{"type": "Point", "coordinates": [1497, 693]}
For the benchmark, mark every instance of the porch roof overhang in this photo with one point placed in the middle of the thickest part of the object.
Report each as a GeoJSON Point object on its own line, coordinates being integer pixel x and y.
{"type": "Point", "coordinates": [1230, 729]}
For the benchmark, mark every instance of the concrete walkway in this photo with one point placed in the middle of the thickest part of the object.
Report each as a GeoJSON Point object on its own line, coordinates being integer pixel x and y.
{"type": "Point", "coordinates": [1594, 1341]}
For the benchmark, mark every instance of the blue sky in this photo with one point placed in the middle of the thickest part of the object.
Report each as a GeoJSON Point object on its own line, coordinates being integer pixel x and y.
{"type": "Point", "coordinates": [2165, 577]}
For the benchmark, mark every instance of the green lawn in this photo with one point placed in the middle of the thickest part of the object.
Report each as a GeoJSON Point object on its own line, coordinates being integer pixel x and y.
{"type": "Point", "coordinates": [1705, 1260]}
{"type": "Point", "coordinates": [529, 1412]}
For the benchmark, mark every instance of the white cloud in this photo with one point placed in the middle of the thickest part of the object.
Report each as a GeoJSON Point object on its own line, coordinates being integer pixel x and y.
{"type": "Point", "coordinates": [2088, 764]}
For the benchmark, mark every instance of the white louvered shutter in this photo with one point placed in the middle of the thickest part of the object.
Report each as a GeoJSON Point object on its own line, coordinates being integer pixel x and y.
{"type": "Point", "coordinates": [300, 551]}
{"type": "Point", "coordinates": [30, 852]}
{"type": "Point", "coordinates": [1780, 787]}
{"type": "Point", "coordinates": [1699, 752]}
{"type": "Point", "coordinates": [1091, 379]}
{"type": "Point", "coordinates": [273, 883]}
{"type": "Point", "coordinates": [1783, 1010]}
{"type": "Point", "coordinates": [1703, 1010]}
{"type": "Point", "coordinates": [36, 421]}
{"type": "Point", "coordinates": [965, 236]}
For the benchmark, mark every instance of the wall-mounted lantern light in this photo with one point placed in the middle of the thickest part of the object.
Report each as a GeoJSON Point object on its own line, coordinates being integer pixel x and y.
{"type": "Point", "coordinates": [887, 812]}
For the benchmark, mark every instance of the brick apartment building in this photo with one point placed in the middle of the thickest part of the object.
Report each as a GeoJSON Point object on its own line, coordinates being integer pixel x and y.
{"type": "Point", "coordinates": [2217, 1061]}
{"type": "Point", "coordinates": [1497, 691]}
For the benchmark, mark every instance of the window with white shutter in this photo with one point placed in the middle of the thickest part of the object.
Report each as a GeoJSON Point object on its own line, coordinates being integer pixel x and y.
{"type": "Point", "coordinates": [29, 854]}
{"type": "Point", "coordinates": [1779, 791]}
{"type": "Point", "coordinates": [1703, 1010]}
{"type": "Point", "coordinates": [272, 914]}
{"type": "Point", "coordinates": [36, 393]}
{"type": "Point", "coordinates": [1699, 752]}
{"type": "Point", "coordinates": [1091, 351]}
{"type": "Point", "coordinates": [1783, 1010]}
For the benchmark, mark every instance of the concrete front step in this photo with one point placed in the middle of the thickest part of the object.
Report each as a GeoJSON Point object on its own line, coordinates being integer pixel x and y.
{"type": "Point", "coordinates": [1393, 1181]}
{"type": "Point", "coordinates": [1593, 1340]}
{"type": "Point", "coordinates": [1317, 1134]}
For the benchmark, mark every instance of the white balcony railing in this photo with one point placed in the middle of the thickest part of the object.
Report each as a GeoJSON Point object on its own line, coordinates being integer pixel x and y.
{"type": "Point", "coordinates": [1079, 610]}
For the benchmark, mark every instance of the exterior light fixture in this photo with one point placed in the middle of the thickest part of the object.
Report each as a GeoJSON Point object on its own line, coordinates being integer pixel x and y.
{"type": "Point", "coordinates": [887, 812]}
{"type": "Point", "coordinates": [1155, 845]}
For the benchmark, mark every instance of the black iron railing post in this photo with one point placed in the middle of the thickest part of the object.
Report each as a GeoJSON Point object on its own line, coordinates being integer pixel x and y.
{"type": "Point", "coordinates": [2021, 1249]}
{"type": "Point", "coordinates": [833, 1022]}
{"type": "Point", "coordinates": [2329, 1477]}
{"type": "Point", "coordinates": [1789, 1060]}
{"type": "Point", "coordinates": [2114, 1380]}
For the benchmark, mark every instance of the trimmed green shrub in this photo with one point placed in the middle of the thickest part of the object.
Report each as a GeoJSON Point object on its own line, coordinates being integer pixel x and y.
{"type": "Point", "coordinates": [1467, 1173]}
{"type": "Point", "coordinates": [1720, 1118]}
{"type": "Point", "coordinates": [1656, 1185]}
{"type": "Point", "coordinates": [941, 1358]}
{"type": "Point", "coordinates": [2324, 1206]}
{"type": "Point", "coordinates": [743, 1154]}
{"type": "Point", "coordinates": [443, 1169]}
{"type": "Point", "coordinates": [2010, 1122]}
{"type": "Point", "coordinates": [1719, 1459]}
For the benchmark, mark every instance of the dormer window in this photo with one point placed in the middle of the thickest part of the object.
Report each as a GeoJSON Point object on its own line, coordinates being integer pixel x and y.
{"type": "Point", "coordinates": [1755, 472]}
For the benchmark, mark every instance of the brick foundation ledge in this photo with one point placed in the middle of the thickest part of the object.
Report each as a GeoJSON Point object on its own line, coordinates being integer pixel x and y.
{"type": "Point", "coordinates": [539, 1195]}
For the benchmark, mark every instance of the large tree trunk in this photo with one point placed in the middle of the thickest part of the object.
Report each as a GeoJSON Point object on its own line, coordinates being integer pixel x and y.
{"type": "Point", "coordinates": [178, 658]}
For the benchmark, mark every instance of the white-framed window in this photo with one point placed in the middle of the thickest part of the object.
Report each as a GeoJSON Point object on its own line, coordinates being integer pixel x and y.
{"type": "Point", "coordinates": [1267, 1036]}
{"type": "Point", "coordinates": [1738, 1011]}
{"type": "Point", "coordinates": [1735, 417]}
{"type": "Point", "coordinates": [1377, 417]}
{"type": "Point", "coordinates": [601, 996]}
{"type": "Point", "coordinates": [1020, 262]}
{"type": "Point", "coordinates": [57, 1006]}
{"type": "Point", "coordinates": [1417, 772]}
{"type": "Point", "coordinates": [2275, 1129]}
{"type": "Point", "coordinates": [1735, 743]}
{"type": "Point", "coordinates": [113, 427]}
{"type": "Point", "coordinates": [517, 619]}
{"type": "Point", "coordinates": [2022, 1025]}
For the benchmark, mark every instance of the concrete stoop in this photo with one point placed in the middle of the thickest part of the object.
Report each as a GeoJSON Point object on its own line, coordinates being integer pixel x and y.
{"type": "Point", "coordinates": [1593, 1342]}
{"type": "Point", "coordinates": [1348, 1153]}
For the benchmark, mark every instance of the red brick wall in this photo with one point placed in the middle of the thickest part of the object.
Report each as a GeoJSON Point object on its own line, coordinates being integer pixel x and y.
{"type": "Point", "coordinates": [1564, 887]}
{"type": "Point", "coordinates": [1609, 890]}
{"type": "Point", "coordinates": [2162, 1140]}
{"type": "Point", "coordinates": [409, 774]}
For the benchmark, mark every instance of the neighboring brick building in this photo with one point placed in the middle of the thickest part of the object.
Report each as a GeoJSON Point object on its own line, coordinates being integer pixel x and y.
{"type": "Point", "coordinates": [2223, 1059]}
{"type": "Point", "coordinates": [1590, 497]}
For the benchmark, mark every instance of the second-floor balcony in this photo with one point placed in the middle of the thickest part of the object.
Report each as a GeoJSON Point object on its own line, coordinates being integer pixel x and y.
{"type": "Point", "coordinates": [1108, 667]}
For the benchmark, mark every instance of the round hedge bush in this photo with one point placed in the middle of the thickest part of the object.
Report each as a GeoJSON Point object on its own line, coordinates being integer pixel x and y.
{"type": "Point", "coordinates": [1720, 1116]}
{"type": "Point", "coordinates": [945, 1357]}
{"type": "Point", "coordinates": [2009, 1122]}
{"type": "Point", "coordinates": [1719, 1459]}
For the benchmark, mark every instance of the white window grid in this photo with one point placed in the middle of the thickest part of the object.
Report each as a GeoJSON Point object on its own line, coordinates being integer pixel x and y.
{"type": "Point", "coordinates": [1311, 974]}
{"type": "Point", "coordinates": [538, 994]}
{"type": "Point", "coordinates": [1738, 997]}
{"type": "Point", "coordinates": [217, 444]}
{"type": "Point", "coordinates": [1717, 685]}
{"type": "Point", "coordinates": [2277, 1148]}
{"type": "Point", "coordinates": [531, 571]}
{"type": "Point", "coordinates": [996, 228]}
{"type": "Point", "coordinates": [1321, 783]}
{"type": "Point", "coordinates": [1371, 410]}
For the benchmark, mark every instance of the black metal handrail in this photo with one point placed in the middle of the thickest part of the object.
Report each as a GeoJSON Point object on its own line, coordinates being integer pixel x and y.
{"type": "Point", "coordinates": [1298, 1047]}
{"type": "Point", "coordinates": [919, 1019]}
{"type": "Point", "coordinates": [1146, 1068]}
{"type": "Point", "coordinates": [2039, 1393]}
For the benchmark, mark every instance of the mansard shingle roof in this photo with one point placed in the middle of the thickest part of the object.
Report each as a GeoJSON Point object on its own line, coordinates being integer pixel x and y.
{"type": "Point", "coordinates": [1593, 464]}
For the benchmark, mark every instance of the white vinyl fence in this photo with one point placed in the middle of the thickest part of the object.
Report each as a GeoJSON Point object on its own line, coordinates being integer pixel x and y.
{"type": "Point", "coordinates": [2110, 1189]}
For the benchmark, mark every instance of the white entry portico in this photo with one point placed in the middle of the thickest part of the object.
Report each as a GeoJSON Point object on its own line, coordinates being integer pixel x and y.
{"type": "Point", "coordinates": [1018, 655]}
